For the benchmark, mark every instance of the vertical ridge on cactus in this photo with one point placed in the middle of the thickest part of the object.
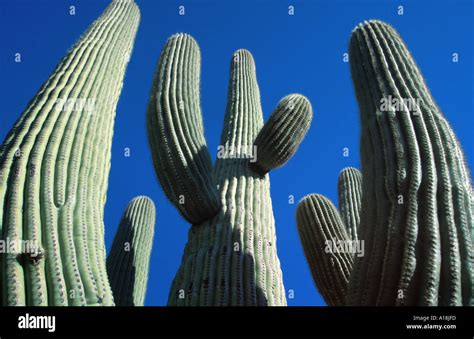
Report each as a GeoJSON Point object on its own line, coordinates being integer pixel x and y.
{"type": "Point", "coordinates": [350, 197]}
{"type": "Point", "coordinates": [54, 165]}
{"type": "Point", "coordinates": [176, 134]}
{"type": "Point", "coordinates": [129, 258]}
{"type": "Point", "coordinates": [282, 134]}
{"type": "Point", "coordinates": [321, 230]}
{"type": "Point", "coordinates": [417, 215]}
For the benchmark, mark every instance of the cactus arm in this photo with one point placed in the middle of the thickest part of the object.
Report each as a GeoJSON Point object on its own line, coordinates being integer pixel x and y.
{"type": "Point", "coordinates": [129, 258]}
{"type": "Point", "coordinates": [46, 192]}
{"type": "Point", "coordinates": [433, 263]}
{"type": "Point", "coordinates": [350, 196]}
{"type": "Point", "coordinates": [320, 226]}
{"type": "Point", "coordinates": [282, 134]}
{"type": "Point", "coordinates": [175, 132]}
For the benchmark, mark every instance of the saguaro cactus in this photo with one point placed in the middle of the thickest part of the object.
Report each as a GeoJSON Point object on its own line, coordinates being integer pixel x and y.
{"type": "Point", "coordinates": [129, 258]}
{"type": "Point", "coordinates": [54, 167]}
{"type": "Point", "coordinates": [417, 212]}
{"type": "Point", "coordinates": [230, 257]}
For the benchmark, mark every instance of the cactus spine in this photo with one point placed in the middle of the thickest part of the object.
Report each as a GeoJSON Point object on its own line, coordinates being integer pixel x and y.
{"type": "Point", "coordinates": [230, 258]}
{"type": "Point", "coordinates": [129, 258]}
{"type": "Point", "coordinates": [54, 166]}
{"type": "Point", "coordinates": [417, 213]}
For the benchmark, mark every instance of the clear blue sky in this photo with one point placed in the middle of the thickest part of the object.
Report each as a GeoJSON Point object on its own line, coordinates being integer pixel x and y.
{"type": "Point", "coordinates": [300, 53]}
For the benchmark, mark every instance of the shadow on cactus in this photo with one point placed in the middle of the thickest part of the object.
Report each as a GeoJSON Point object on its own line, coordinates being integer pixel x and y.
{"type": "Point", "coordinates": [230, 257]}
{"type": "Point", "coordinates": [417, 207]}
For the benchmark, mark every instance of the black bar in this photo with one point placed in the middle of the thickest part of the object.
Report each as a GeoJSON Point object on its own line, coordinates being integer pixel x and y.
{"type": "Point", "coordinates": [271, 321]}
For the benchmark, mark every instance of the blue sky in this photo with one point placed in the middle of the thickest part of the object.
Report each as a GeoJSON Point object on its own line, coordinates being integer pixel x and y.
{"type": "Point", "coordinates": [301, 53]}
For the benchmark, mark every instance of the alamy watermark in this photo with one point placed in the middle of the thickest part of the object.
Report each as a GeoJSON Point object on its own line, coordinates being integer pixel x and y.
{"type": "Point", "coordinates": [20, 246]}
{"type": "Point", "coordinates": [390, 104]}
{"type": "Point", "coordinates": [237, 152]}
{"type": "Point", "coordinates": [355, 247]}
{"type": "Point", "coordinates": [87, 105]}
{"type": "Point", "coordinates": [47, 322]}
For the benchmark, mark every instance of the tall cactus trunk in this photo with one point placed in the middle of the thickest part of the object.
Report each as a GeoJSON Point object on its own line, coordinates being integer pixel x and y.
{"type": "Point", "coordinates": [232, 258]}
{"type": "Point", "coordinates": [416, 215]}
{"type": "Point", "coordinates": [54, 167]}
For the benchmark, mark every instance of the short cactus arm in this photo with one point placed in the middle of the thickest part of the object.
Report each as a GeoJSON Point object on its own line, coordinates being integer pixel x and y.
{"type": "Point", "coordinates": [175, 132]}
{"type": "Point", "coordinates": [129, 258]}
{"type": "Point", "coordinates": [282, 134]}
{"type": "Point", "coordinates": [350, 197]}
{"type": "Point", "coordinates": [417, 213]}
{"type": "Point", "coordinates": [321, 232]}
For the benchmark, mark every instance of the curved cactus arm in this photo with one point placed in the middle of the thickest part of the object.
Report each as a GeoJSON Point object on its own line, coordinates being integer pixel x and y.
{"type": "Point", "coordinates": [129, 258]}
{"type": "Point", "coordinates": [350, 195]}
{"type": "Point", "coordinates": [325, 239]}
{"type": "Point", "coordinates": [417, 213]}
{"type": "Point", "coordinates": [282, 134]}
{"type": "Point", "coordinates": [175, 132]}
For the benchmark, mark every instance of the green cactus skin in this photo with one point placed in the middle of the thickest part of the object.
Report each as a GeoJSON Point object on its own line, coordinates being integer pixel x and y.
{"type": "Point", "coordinates": [176, 135]}
{"type": "Point", "coordinates": [230, 258]}
{"type": "Point", "coordinates": [54, 168]}
{"type": "Point", "coordinates": [282, 134]}
{"type": "Point", "coordinates": [417, 212]}
{"type": "Point", "coordinates": [129, 258]}
{"type": "Point", "coordinates": [318, 223]}
{"type": "Point", "coordinates": [350, 197]}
